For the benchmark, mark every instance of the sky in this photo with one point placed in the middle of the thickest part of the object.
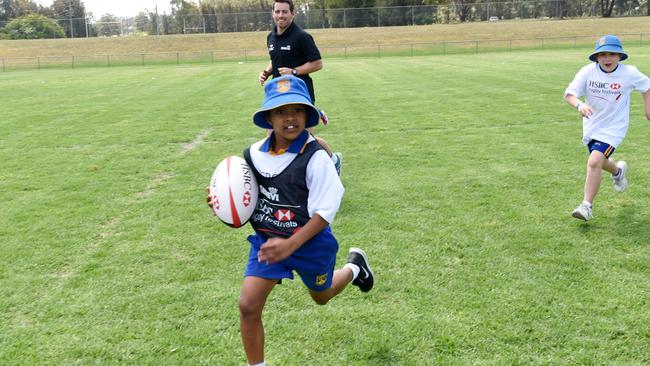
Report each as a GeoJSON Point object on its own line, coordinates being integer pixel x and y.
{"type": "Point", "coordinates": [120, 8]}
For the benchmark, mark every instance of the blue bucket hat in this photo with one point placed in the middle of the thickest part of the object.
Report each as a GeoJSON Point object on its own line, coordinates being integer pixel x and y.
{"type": "Point", "coordinates": [608, 43]}
{"type": "Point", "coordinates": [284, 90]}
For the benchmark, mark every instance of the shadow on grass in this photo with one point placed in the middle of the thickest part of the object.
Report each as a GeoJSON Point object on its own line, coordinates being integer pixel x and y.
{"type": "Point", "coordinates": [587, 227]}
{"type": "Point", "coordinates": [626, 221]}
{"type": "Point", "coordinates": [382, 355]}
{"type": "Point", "coordinates": [631, 224]}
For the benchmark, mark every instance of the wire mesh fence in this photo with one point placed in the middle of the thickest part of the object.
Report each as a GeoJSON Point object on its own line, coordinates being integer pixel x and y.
{"type": "Point", "coordinates": [347, 51]}
{"type": "Point", "coordinates": [310, 18]}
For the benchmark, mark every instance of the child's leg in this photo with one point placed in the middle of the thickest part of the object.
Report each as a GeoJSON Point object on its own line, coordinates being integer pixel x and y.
{"type": "Point", "coordinates": [337, 158]}
{"type": "Point", "coordinates": [340, 280]}
{"type": "Point", "coordinates": [357, 271]}
{"type": "Point", "coordinates": [253, 296]}
{"type": "Point", "coordinates": [595, 165]}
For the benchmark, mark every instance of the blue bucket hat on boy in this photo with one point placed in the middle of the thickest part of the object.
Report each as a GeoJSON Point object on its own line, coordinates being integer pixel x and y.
{"type": "Point", "coordinates": [608, 43]}
{"type": "Point", "coordinates": [284, 90]}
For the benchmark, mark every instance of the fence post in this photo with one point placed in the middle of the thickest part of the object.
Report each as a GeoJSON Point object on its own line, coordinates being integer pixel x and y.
{"type": "Point", "coordinates": [378, 50]}
{"type": "Point", "coordinates": [411, 49]}
{"type": "Point", "coordinates": [3, 64]}
{"type": "Point", "coordinates": [245, 55]}
{"type": "Point", "coordinates": [510, 46]}
{"type": "Point", "coordinates": [476, 47]}
{"type": "Point", "coordinates": [73, 62]}
{"type": "Point", "coordinates": [542, 42]}
{"type": "Point", "coordinates": [142, 54]}
{"type": "Point", "coordinates": [212, 56]}
{"type": "Point", "coordinates": [38, 60]}
{"type": "Point", "coordinates": [345, 51]}
{"type": "Point", "coordinates": [178, 58]}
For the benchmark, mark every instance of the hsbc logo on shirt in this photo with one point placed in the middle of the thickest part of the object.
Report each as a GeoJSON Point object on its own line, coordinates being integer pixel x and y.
{"type": "Point", "coordinates": [601, 85]}
{"type": "Point", "coordinates": [283, 215]}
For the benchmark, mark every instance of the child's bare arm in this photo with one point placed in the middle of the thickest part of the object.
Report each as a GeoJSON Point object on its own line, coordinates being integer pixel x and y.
{"type": "Point", "coordinates": [583, 108]}
{"type": "Point", "coordinates": [277, 249]}
{"type": "Point", "coordinates": [646, 103]}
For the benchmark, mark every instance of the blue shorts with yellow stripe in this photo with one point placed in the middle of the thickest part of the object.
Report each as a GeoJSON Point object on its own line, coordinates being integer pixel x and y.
{"type": "Point", "coordinates": [314, 261]}
{"type": "Point", "coordinates": [603, 147]}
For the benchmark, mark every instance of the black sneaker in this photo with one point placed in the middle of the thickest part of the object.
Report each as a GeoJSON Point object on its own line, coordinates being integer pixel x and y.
{"type": "Point", "coordinates": [337, 158]}
{"type": "Point", "coordinates": [366, 279]}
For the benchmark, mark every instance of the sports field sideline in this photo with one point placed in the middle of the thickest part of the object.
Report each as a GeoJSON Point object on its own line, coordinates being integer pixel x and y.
{"type": "Point", "coordinates": [460, 179]}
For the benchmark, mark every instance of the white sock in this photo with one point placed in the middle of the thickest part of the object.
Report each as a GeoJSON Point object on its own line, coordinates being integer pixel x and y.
{"type": "Point", "coordinates": [354, 268]}
{"type": "Point", "coordinates": [259, 364]}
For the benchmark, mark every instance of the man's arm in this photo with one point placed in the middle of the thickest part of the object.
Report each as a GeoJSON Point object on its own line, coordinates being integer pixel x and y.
{"type": "Point", "coordinates": [306, 68]}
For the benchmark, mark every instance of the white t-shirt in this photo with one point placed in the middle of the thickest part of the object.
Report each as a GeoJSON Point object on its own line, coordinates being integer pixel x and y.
{"type": "Point", "coordinates": [325, 187]}
{"type": "Point", "coordinates": [608, 94]}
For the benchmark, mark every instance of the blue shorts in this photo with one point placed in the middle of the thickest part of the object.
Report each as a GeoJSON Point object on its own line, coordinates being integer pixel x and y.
{"type": "Point", "coordinates": [314, 261]}
{"type": "Point", "coordinates": [603, 147]}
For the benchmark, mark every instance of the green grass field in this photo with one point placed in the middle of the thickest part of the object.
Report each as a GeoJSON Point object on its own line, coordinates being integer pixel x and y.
{"type": "Point", "coordinates": [461, 172]}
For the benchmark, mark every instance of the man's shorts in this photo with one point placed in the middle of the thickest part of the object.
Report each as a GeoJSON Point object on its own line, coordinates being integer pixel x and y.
{"type": "Point", "coordinates": [603, 147]}
{"type": "Point", "coordinates": [314, 261]}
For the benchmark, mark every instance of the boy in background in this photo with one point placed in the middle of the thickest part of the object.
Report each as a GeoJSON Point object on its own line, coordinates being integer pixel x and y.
{"type": "Point", "coordinates": [607, 86]}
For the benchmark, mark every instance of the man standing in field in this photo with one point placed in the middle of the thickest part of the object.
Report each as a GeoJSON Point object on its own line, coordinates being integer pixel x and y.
{"type": "Point", "coordinates": [294, 52]}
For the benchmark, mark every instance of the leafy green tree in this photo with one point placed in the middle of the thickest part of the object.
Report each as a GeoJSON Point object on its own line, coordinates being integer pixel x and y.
{"type": "Point", "coordinates": [34, 26]}
{"type": "Point", "coordinates": [184, 13]}
{"type": "Point", "coordinates": [142, 23]}
{"type": "Point", "coordinates": [26, 7]}
{"type": "Point", "coordinates": [7, 10]}
{"type": "Point", "coordinates": [108, 25]}
{"type": "Point", "coordinates": [350, 17]}
{"type": "Point", "coordinates": [73, 12]}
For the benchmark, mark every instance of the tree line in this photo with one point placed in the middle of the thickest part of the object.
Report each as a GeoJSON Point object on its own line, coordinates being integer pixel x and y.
{"type": "Point", "coordinates": [69, 18]}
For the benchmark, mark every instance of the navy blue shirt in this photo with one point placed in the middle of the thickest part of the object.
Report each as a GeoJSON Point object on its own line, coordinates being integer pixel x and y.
{"type": "Point", "coordinates": [282, 206]}
{"type": "Point", "coordinates": [292, 48]}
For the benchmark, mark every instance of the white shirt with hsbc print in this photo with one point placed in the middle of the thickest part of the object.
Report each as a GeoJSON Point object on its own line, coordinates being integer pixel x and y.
{"type": "Point", "coordinates": [325, 187]}
{"type": "Point", "coordinates": [608, 94]}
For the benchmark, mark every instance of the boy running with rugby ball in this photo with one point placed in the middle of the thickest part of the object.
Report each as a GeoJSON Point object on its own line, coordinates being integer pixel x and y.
{"type": "Point", "coordinates": [300, 193]}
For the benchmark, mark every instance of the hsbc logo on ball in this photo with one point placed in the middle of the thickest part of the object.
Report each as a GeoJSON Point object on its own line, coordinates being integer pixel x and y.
{"type": "Point", "coordinates": [248, 184]}
{"type": "Point", "coordinates": [246, 200]}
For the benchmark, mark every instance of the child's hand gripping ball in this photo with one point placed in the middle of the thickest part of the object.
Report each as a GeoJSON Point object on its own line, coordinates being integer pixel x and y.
{"type": "Point", "coordinates": [233, 191]}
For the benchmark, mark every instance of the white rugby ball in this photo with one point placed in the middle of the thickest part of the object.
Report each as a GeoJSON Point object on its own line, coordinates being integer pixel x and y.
{"type": "Point", "coordinates": [233, 191]}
